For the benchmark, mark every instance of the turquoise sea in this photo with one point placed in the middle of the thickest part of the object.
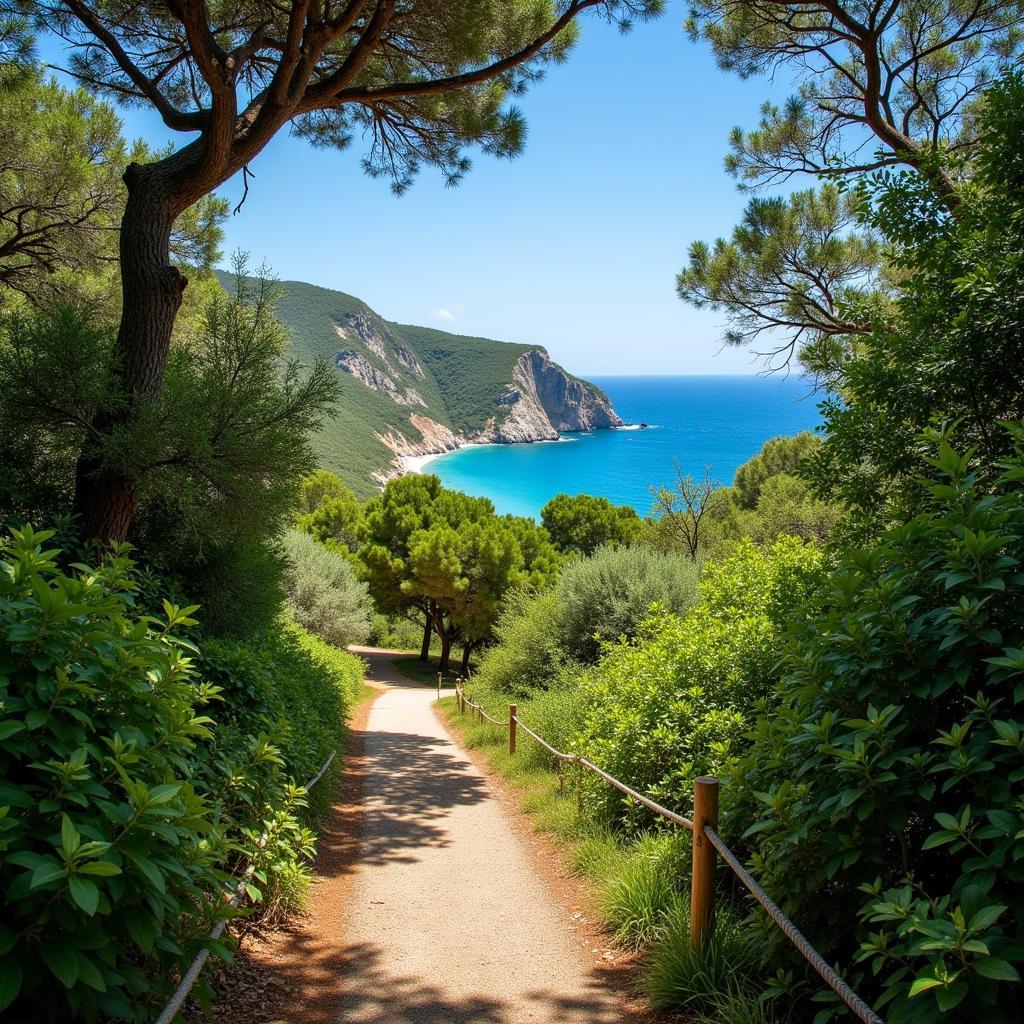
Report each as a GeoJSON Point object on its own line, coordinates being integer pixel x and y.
{"type": "Point", "coordinates": [701, 421]}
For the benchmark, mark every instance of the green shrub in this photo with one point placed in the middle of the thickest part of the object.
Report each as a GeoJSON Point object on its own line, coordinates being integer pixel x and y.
{"type": "Point", "coordinates": [675, 702]}
{"type": "Point", "coordinates": [527, 655]}
{"type": "Point", "coordinates": [124, 814]}
{"type": "Point", "coordinates": [322, 592]}
{"type": "Point", "coordinates": [888, 785]}
{"type": "Point", "coordinates": [395, 632]}
{"type": "Point", "coordinates": [608, 595]}
{"type": "Point", "coordinates": [289, 685]}
{"type": "Point", "coordinates": [779, 456]}
{"type": "Point", "coordinates": [109, 855]}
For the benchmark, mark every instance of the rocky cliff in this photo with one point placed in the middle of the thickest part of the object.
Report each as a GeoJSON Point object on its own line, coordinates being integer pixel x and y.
{"type": "Point", "coordinates": [409, 391]}
{"type": "Point", "coordinates": [542, 401]}
{"type": "Point", "coordinates": [538, 403]}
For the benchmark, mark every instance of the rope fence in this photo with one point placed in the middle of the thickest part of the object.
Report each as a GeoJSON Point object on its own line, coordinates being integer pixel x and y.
{"type": "Point", "coordinates": [706, 843]}
{"type": "Point", "coordinates": [189, 978]}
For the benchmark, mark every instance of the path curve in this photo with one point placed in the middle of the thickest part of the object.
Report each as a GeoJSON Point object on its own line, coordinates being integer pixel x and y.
{"type": "Point", "coordinates": [446, 919]}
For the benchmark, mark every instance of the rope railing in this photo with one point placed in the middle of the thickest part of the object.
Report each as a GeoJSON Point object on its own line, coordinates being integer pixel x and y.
{"type": "Point", "coordinates": [189, 978]}
{"type": "Point", "coordinates": [706, 841]}
{"type": "Point", "coordinates": [809, 953]}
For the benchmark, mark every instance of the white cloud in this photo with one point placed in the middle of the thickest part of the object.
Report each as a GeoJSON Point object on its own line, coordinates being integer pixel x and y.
{"type": "Point", "coordinates": [444, 314]}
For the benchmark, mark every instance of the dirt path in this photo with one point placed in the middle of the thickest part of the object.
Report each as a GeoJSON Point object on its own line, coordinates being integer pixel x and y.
{"type": "Point", "coordinates": [447, 919]}
{"type": "Point", "coordinates": [427, 908]}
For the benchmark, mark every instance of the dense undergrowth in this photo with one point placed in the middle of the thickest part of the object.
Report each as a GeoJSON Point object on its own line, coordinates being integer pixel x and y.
{"type": "Point", "coordinates": [143, 769]}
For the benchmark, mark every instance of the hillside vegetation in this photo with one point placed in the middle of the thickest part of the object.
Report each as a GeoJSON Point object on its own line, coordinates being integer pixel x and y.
{"type": "Point", "coordinates": [460, 379]}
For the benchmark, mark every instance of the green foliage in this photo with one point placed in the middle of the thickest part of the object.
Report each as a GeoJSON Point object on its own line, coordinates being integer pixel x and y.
{"type": "Point", "coordinates": [582, 523]}
{"type": "Point", "coordinates": [777, 455]}
{"type": "Point", "coordinates": [291, 686]}
{"type": "Point", "coordinates": [447, 554]}
{"type": "Point", "coordinates": [788, 506]}
{"type": "Point", "coordinates": [677, 701]}
{"type": "Point", "coordinates": [527, 653]}
{"type": "Point", "coordinates": [790, 267]}
{"type": "Point", "coordinates": [61, 194]}
{"type": "Point", "coordinates": [108, 855]}
{"type": "Point", "coordinates": [950, 350]}
{"type": "Point", "coordinates": [217, 456]}
{"type": "Point", "coordinates": [322, 593]}
{"type": "Point", "coordinates": [330, 512]}
{"type": "Point", "coordinates": [543, 637]}
{"type": "Point", "coordinates": [124, 812]}
{"type": "Point", "coordinates": [319, 487]}
{"type": "Point", "coordinates": [609, 595]}
{"type": "Point", "coordinates": [239, 581]}
{"type": "Point", "coordinates": [395, 632]}
{"type": "Point", "coordinates": [889, 776]}
{"type": "Point", "coordinates": [872, 89]}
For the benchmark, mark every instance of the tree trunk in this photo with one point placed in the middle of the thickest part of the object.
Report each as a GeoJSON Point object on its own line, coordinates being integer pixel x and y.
{"type": "Point", "coordinates": [106, 498]}
{"type": "Point", "coordinates": [467, 650]}
{"type": "Point", "coordinates": [446, 650]}
{"type": "Point", "coordinates": [428, 628]}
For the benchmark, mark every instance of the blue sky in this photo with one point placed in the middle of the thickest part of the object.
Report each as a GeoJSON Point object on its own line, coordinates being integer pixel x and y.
{"type": "Point", "coordinates": [574, 245]}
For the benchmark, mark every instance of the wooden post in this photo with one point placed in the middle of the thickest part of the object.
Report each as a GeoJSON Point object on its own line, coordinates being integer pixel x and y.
{"type": "Point", "coordinates": [438, 685]}
{"type": "Point", "coordinates": [702, 883]}
{"type": "Point", "coordinates": [511, 728]}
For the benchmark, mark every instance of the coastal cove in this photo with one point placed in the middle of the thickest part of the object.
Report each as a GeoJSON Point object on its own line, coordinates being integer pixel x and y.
{"type": "Point", "coordinates": [716, 421]}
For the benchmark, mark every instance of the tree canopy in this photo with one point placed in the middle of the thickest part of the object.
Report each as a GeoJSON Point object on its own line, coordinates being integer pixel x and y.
{"type": "Point", "coordinates": [582, 523]}
{"type": "Point", "coordinates": [448, 556]}
{"type": "Point", "coordinates": [881, 84]}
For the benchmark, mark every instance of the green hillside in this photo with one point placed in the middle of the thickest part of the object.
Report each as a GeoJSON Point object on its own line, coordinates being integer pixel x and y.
{"type": "Point", "coordinates": [453, 380]}
{"type": "Point", "coordinates": [471, 373]}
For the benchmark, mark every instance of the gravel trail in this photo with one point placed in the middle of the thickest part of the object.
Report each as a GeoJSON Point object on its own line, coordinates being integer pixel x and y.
{"type": "Point", "coordinates": [446, 920]}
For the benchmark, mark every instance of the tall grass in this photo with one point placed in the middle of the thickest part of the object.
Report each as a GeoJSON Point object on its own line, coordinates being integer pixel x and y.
{"type": "Point", "coordinates": [700, 980]}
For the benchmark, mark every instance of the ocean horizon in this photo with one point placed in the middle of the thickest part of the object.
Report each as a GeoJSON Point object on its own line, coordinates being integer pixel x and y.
{"type": "Point", "coordinates": [713, 422]}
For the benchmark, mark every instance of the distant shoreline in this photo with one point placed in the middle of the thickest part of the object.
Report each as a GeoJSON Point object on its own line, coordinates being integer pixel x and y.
{"type": "Point", "coordinates": [417, 463]}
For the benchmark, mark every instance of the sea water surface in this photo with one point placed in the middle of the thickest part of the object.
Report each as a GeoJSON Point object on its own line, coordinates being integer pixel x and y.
{"type": "Point", "coordinates": [717, 422]}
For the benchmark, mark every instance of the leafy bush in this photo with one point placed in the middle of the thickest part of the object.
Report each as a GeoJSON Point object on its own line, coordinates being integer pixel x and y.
{"type": "Point", "coordinates": [109, 854]}
{"type": "Point", "coordinates": [528, 654]}
{"type": "Point", "coordinates": [779, 456]}
{"type": "Point", "coordinates": [608, 595]}
{"type": "Point", "coordinates": [675, 702]}
{"type": "Point", "coordinates": [291, 686]}
{"type": "Point", "coordinates": [322, 592]}
{"type": "Point", "coordinates": [123, 814]}
{"type": "Point", "coordinates": [395, 632]}
{"type": "Point", "coordinates": [889, 782]}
